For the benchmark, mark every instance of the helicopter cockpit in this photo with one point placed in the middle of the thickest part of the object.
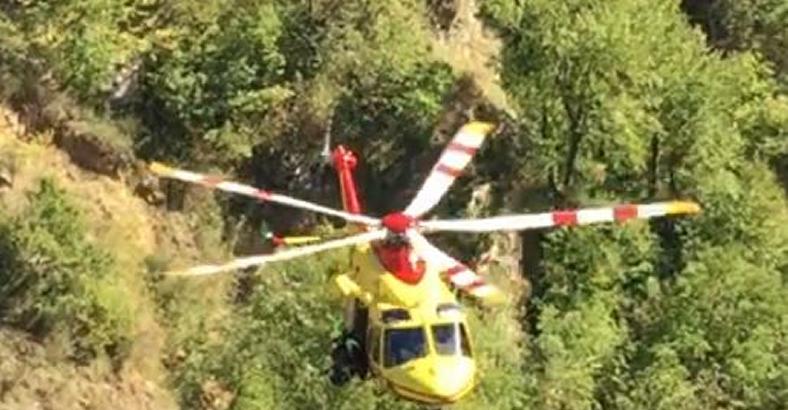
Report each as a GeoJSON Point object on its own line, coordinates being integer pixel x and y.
{"type": "Point", "coordinates": [426, 358]}
{"type": "Point", "coordinates": [403, 344]}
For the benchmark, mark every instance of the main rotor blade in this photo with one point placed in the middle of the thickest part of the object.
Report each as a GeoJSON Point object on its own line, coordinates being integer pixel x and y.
{"type": "Point", "coordinates": [453, 160]}
{"type": "Point", "coordinates": [457, 273]}
{"type": "Point", "coordinates": [262, 195]}
{"type": "Point", "coordinates": [292, 253]}
{"type": "Point", "coordinates": [617, 213]}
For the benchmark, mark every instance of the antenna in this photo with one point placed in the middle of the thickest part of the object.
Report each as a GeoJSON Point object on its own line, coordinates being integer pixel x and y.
{"type": "Point", "coordinates": [326, 153]}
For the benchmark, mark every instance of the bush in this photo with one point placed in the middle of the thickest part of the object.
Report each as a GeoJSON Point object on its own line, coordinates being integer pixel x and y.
{"type": "Point", "coordinates": [54, 280]}
{"type": "Point", "coordinates": [215, 90]}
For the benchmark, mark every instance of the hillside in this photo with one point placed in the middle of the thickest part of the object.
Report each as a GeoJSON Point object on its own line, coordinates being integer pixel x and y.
{"type": "Point", "coordinates": [39, 372]}
{"type": "Point", "coordinates": [597, 102]}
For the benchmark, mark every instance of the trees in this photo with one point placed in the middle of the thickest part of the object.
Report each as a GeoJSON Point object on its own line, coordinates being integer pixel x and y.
{"type": "Point", "coordinates": [757, 25]}
{"type": "Point", "coordinates": [617, 102]}
{"type": "Point", "coordinates": [83, 41]}
{"type": "Point", "coordinates": [214, 89]}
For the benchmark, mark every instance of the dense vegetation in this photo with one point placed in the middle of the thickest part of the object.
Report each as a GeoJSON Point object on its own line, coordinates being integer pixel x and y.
{"type": "Point", "coordinates": [53, 280]}
{"type": "Point", "coordinates": [608, 100]}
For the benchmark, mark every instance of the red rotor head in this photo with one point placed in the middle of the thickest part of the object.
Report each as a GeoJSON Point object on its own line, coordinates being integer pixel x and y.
{"type": "Point", "coordinates": [397, 222]}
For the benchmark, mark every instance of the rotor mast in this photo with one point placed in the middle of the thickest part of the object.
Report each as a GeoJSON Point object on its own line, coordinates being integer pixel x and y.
{"type": "Point", "coordinates": [345, 162]}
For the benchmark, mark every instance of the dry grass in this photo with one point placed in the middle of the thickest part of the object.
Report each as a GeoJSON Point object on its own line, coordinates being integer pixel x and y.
{"type": "Point", "coordinates": [31, 380]}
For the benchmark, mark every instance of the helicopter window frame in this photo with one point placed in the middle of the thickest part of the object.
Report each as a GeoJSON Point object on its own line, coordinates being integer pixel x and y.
{"type": "Point", "coordinates": [375, 334]}
{"type": "Point", "coordinates": [449, 311]}
{"type": "Point", "coordinates": [390, 360]}
{"type": "Point", "coordinates": [444, 308]}
{"type": "Point", "coordinates": [465, 341]}
{"type": "Point", "coordinates": [394, 315]}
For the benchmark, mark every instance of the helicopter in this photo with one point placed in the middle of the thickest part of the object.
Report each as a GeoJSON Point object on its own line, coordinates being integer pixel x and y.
{"type": "Point", "coordinates": [401, 292]}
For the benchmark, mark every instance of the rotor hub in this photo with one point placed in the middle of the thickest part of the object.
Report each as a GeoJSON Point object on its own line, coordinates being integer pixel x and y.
{"type": "Point", "coordinates": [397, 222]}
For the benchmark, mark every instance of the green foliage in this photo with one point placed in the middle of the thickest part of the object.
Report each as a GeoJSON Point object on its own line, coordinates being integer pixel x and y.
{"type": "Point", "coordinates": [581, 303]}
{"type": "Point", "coordinates": [54, 279]}
{"type": "Point", "coordinates": [620, 260]}
{"type": "Point", "coordinates": [745, 25]}
{"type": "Point", "coordinates": [502, 359]}
{"type": "Point", "coordinates": [662, 385]}
{"type": "Point", "coordinates": [613, 106]}
{"type": "Point", "coordinates": [13, 57]}
{"type": "Point", "coordinates": [216, 88]}
{"type": "Point", "coordinates": [769, 131]}
{"type": "Point", "coordinates": [757, 26]}
{"type": "Point", "coordinates": [391, 121]}
{"type": "Point", "coordinates": [575, 70]}
{"type": "Point", "coordinates": [725, 319]}
{"type": "Point", "coordinates": [84, 41]}
{"type": "Point", "coordinates": [218, 96]}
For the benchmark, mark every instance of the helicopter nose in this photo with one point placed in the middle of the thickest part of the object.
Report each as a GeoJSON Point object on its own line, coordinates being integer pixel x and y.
{"type": "Point", "coordinates": [445, 378]}
{"type": "Point", "coordinates": [451, 380]}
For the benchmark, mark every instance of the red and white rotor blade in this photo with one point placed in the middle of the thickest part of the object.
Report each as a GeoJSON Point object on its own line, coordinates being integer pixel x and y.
{"type": "Point", "coordinates": [457, 273]}
{"type": "Point", "coordinates": [262, 195]}
{"type": "Point", "coordinates": [292, 253]}
{"type": "Point", "coordinates": [455, 157]}
{"type": "Point", "coordinates": [619, 213]}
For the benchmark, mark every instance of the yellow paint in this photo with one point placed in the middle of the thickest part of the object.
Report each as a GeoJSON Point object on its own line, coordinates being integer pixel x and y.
{"type": "Point", "coordinates": [683, 207]}
{"type": "Point", "coordinates": [299, 240]}
{"type": "Point", "coordinates": [478, 127]}
{"type": "Point", "coordinates": [433, 378]}
{"type": "Point", "coordinates": [159, 168]}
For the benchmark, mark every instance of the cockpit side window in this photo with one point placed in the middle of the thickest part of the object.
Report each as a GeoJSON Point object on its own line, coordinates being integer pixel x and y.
{"type": "Point", "coordinates": [445, 336]}
{"type": "Point", "coordinates": [404, 344]}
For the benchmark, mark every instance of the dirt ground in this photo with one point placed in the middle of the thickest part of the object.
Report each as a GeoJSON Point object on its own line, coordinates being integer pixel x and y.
{"type": "Point", "coordinates": [30, 380]}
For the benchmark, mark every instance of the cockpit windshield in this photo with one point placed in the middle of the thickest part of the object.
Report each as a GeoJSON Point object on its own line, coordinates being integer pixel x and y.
{"type": "Point", "coordinates": [403, 345]}
{"type": "Point", "coordinates": [445, 339]}
{"type": "Point", "coordinates": [450, 338]}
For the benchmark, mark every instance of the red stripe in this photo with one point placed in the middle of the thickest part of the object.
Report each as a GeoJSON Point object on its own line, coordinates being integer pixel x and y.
{"type": "Point", "coordinates": [475, 284]}
{"type": "Point", "coordinates": [211, 181]}
{"type": "Point", "coordinates": [456, 146]}
{"type": "Point", "coordinates": [263, 195]}
{"type": "Point", "coordinates": [563, 218]}
{"type": "Point", "coordinates": [624, 212]}
{"type": "Point", "coordinates": [455, 270]}
{"type": "Point", "coordinates": [445, 169]}
{"type": "Point", "coordinates": [277, 241]}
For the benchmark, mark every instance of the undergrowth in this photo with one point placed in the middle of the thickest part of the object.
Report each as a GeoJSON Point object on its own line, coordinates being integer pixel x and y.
{"type": "Point", "coordinates": [54, 280]}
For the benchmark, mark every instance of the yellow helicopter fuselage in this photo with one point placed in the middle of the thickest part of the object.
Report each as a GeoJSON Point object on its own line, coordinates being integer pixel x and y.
{"type": "Point", "coordinates": [415, 336]}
